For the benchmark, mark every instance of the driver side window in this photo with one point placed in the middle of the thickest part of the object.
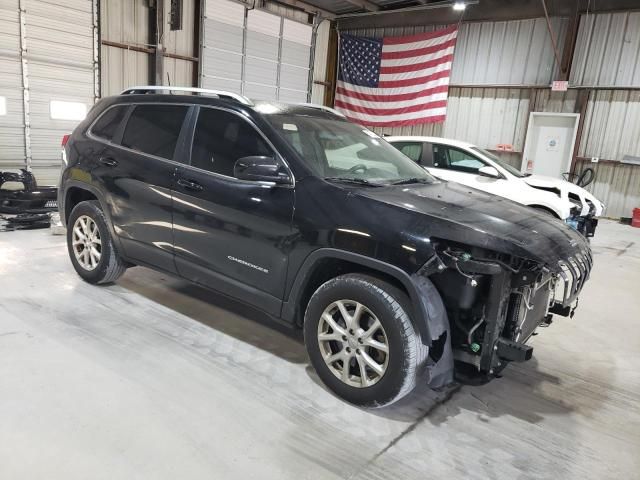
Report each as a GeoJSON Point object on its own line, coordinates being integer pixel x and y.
{"type": "Point", "coordinates": [221, 138]}
{"type": "Point", "coordinates": [451, 158]}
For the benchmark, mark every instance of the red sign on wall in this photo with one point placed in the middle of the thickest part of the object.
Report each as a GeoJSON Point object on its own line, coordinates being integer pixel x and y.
{"type": "Point", "coordinates": [559, 85]}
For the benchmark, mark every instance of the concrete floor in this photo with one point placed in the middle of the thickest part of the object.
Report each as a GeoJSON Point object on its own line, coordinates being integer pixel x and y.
{"type": "Point", "coordinates": [155, 378]}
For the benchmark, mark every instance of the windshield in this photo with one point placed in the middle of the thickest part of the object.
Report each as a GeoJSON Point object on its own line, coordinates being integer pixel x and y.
{"type": "Point", "coordinates": [512, 170]}
{"type": "Point", "coordinates": [342, 150]}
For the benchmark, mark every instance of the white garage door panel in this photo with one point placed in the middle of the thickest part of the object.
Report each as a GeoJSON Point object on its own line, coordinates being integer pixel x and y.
{"type": "Point", "coordinates": [262, 46]}
{"type": "Point", "coordinates": [218, 63]}
{"type": "Point", "coordinates": [295, 78]}
{"type": "Point", "coordinates": [263, 22]}
{"type": "Point", "coordinates": [59, 61]}
{"type": "Point", "coordinates": [223, 36]}
{"type": "Point", "coordinates": [224, 11]}
{"type": "Point", "coordinates": [259, 91]}
{"type": "Point", "coordinates": [221, 84]}
{"type": "Point", "coordinates": [295, 54]}
{"type": "Point", "coordinates": [270, 48]}
{"type": "Point", "coordinates": [261, 71]}
{"type": "Point", "coordinates": [293, 96]}
{"type": "Point", "coordinates": [12, 122]}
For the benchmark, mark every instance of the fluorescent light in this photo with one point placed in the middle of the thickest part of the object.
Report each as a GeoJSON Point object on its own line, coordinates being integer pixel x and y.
{"type": "Point", "coordinates": [3, 105]}
{"type": "Point", "coordinates": [459, 6]}
{"type": "Point", "coordinates": [60, 110]}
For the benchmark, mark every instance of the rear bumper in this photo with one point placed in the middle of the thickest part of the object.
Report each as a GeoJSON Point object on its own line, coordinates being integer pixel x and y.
{"type": "Point", "coordinates": [41, 200]}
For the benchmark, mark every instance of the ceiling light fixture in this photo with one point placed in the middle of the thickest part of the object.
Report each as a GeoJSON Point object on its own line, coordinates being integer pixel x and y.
{"type": "Point", "coordinates": [459, 6]}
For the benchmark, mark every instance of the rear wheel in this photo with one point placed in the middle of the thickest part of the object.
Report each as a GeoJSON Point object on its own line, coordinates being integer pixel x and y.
{"type": "Point", "coordinates": [90, 244]}
{"type": "Point", "coordinates": [361, 340]}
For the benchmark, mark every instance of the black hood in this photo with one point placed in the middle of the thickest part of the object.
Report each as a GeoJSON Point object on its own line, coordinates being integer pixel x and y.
{"type": "Point", "coordinates": [454, 212]}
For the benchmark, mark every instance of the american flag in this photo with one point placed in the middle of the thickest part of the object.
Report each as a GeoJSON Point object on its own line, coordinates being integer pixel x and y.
{"type": "Point", "coordinates": [395, 81]}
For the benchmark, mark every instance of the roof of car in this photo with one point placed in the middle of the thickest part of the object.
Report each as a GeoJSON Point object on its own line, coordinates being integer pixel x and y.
{"type": "Point", "coordinates": [415, 138]}
{"type": "Point", "coordinates": [227, 99]}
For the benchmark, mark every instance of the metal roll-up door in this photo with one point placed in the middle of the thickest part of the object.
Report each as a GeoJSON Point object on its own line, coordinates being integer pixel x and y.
{"type": "Point", "coordinates": [223, 45]}
{"type": "Point", "coordinates": [259, 54]}
{"type": "Point", "coordinates": [295, 61]}
{"type": "Point", "coordinates": [12, 154]}
{"type": "Point", "coordinates": [262, 50]}
{"type": "Point", "coordinates": [48, 64]}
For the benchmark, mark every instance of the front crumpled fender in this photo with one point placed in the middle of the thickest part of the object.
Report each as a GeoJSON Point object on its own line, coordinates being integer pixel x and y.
{"type": "Point", "coordinates": [439, 366]}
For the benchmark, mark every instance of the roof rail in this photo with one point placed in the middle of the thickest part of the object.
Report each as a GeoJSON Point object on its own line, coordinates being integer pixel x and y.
{"type": "Point", "coordinates": [324, 108]}
{"type": "Point", "coordinates": [204, 91]}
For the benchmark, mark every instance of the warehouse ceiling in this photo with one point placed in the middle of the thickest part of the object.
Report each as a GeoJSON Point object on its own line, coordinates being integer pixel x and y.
{"type": "Point", "coordinates": [365, 13]}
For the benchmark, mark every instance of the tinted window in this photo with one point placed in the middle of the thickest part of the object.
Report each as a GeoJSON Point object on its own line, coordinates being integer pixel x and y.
{"type": "Point", "coordinates": [453, 158]}
{"type": "Point", "coordinates": [413, 150]}
{"type": "Point", "coordinates": [108, 123]}
{"type": "Point", "coordinates": [221, 138]}
{"type": "Point", "coordinates": [154, 129]}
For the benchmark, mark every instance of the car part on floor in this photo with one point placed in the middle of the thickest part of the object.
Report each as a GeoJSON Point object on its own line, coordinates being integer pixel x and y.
{"type": "Point", "coordinates": [24, 221]}
{"type": "Point", "coordinates": [30, 198]}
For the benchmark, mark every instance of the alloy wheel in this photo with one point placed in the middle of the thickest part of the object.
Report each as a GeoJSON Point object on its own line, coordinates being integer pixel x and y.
{"type": "Point", "coordinates": [86, 242]}
{"type": "Point", "coordinates": [353, 343]}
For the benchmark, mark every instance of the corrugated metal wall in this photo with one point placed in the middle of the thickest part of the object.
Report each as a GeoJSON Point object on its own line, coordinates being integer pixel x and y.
{"type": "Point", "coordinates": [506, 53]}
{"type": "Point", "coordinates": [127, 22]}
{"type": "Point", "coordinates": [617, 185]}
{"type": "Point", "coordinates": [607, 50]}
{"type": "Point", "coordinates": [181, 42]}
{"type": "Point", "coordinates": [516, 52]}
{"type": "Point", "coordinates": [123, 21]}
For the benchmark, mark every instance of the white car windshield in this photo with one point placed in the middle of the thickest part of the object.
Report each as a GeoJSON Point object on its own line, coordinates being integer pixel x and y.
{"type": "Point", "coordinates": [512, 170]}
{"type": "Point", "coordinates": [341, 150]}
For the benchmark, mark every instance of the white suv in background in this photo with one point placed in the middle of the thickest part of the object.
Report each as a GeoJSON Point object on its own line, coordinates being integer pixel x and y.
{"type": "Point", "coordinates": [475, 167]}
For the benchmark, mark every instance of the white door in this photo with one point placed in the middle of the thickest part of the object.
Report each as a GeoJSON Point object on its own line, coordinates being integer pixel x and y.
{"type": "Point", "coordinates": [549, 145]}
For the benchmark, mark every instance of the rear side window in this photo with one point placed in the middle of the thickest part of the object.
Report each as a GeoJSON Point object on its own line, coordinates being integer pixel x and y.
{"type": "Point", "coordinates": [221, 138]}
{"type": "Point", "coordinates": [107, 125]}
{"type": "Point", "coordinates": [154, 129]}
{"type": "Point", "coordinates": [413, 150]}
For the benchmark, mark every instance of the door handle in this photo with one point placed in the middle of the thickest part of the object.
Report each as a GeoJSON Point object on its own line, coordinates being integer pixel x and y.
{"type": "Point", "coordinates": [190, 185]}
{"type": "Point", "coordinates": [108, 161]}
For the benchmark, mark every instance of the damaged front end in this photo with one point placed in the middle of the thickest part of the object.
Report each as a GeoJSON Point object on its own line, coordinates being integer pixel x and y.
{"type": "Point", "coordinates": [494, 303]}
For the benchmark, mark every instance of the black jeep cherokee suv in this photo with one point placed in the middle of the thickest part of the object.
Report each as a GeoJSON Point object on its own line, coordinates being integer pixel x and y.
{"type": "Point", "coordinates": [395, 277]}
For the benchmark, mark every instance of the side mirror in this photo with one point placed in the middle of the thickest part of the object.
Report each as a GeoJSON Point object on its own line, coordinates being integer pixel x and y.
{"type": "Point", "coordinates": [489, 171]}
{"type": "Point", "coordinates": [260, 169]}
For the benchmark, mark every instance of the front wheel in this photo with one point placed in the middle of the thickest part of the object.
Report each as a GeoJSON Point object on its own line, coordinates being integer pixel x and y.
{"type": "Point", "coordinates": [90, 245]}
{"type": "Point", "coordinates": [361, 340]}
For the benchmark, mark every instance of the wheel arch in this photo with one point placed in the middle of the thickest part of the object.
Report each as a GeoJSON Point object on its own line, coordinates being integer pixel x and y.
{"type": "Point", "coordinates": [547, 209]}
{"type": "Point", "coordinates": [76, 192]}
{"type": "Point", "coordinates": [326, 263]}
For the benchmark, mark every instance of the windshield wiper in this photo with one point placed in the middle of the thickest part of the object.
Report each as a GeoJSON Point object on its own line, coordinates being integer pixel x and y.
{"type": "Point", "coordinates": [406, 181]}
{"type": "Point", "coordinates": [357, 181]}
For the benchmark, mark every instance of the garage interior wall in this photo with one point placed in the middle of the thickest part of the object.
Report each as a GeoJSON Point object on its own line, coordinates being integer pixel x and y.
{"type": "Point", "coordinates": [259, 53]}
{"type": "Point", "coordinates": [128, 49]}
{"type": "Point", "coordinates": [502, 71]}
{"type": "Point", "coordinates": [49, 72]}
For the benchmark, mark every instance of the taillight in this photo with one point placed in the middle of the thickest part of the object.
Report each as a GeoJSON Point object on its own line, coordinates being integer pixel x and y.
{"type": "Point", "coordinates": [65, 139]}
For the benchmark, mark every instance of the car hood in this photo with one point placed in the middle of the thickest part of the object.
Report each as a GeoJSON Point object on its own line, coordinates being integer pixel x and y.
{"type": "Point", "coordinates": [469, 216]}
{"type": "Point", "coordinates": [565, 188]}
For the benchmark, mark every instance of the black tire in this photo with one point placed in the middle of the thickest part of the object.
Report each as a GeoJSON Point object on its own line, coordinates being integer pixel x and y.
{"type": "Point", "coordinates": [406, 355]}
{"type": "Point", "coordinates": [110, 266]}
